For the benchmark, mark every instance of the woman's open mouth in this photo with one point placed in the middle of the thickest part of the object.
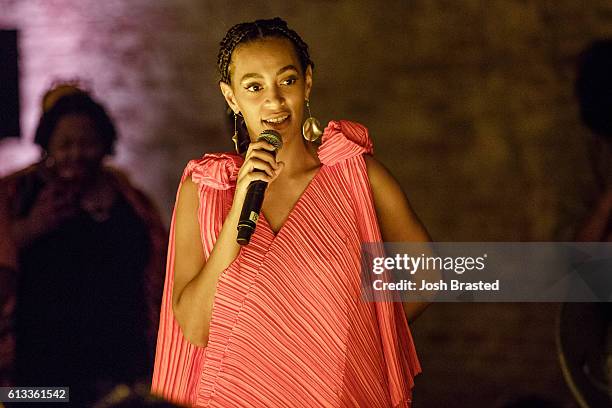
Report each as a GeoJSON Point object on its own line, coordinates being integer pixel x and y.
{"type": "Point", "coordinates": [277, 121]}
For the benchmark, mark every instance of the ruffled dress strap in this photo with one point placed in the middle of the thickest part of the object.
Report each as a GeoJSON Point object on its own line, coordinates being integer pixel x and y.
{"type": "Point", "coordinates": [215, 170]}
{"type": "Point", "coordinates": [343, 140]}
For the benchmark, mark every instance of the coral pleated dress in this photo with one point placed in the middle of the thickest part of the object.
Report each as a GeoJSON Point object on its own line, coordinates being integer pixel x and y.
{"type": "Point", "coordinates": [288, 326]}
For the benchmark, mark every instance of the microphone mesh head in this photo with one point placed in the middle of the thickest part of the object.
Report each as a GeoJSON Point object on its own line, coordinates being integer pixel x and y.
{"type": "Point", "coordinates": [272, 137]}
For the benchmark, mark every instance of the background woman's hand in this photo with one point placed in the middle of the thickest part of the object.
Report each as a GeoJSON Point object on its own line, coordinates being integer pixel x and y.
{"type": "Point", "coordinates": [55, 203]}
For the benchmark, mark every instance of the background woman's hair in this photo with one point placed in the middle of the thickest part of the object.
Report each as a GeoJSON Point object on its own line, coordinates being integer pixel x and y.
{"type": "Point", "coordinates": [594, 87]}
{"type": "Point", "coordinates": [78, 103]}
{"type": "Point", "coordinates": [252, 31]}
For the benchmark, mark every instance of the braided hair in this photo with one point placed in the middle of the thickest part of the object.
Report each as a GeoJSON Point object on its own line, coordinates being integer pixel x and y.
{"type": "Point", "coordinates": [257, 30]}
{"type": "Point", "coordinates": [246, 32]}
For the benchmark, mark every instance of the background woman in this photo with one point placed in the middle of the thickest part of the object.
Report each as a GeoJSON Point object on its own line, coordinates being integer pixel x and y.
{"type": "Point", "coordinates": [280, 322]}
{"type": "Point", "coordinates": [86, 253]}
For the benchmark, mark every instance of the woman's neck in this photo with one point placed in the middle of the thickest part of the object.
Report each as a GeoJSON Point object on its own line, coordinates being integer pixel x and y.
{"type": "Point", "coordinates": [298, 155]}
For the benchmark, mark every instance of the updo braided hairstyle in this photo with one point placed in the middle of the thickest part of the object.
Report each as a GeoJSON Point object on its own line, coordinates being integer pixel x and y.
{"type": "Point", "coordinates": [246, 32]}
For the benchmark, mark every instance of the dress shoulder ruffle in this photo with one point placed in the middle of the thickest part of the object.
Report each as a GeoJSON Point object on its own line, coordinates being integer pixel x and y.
{"type": "Point", "coordinates": [216, 170]}
{"type": "Point", "coordinates": [343, 140]}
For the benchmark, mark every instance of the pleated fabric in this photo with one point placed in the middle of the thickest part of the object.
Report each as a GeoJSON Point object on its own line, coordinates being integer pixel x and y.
{"type": "Point", "coordinates": [288, 325]}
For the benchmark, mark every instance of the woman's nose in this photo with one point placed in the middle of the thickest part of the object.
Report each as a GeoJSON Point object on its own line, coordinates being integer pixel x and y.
{"type": "Point", "coordinates": [76, 152]}
{"type": "Point", "coordinates": [274, 97]}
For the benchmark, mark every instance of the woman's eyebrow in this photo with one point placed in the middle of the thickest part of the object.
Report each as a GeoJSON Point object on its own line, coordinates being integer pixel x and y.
{"type": "Point", "coordinates": [280, 71]}
{"type": "Point", "coordinates": [249, 76]}
{"type": "Point", "coordinates": [286, 68]}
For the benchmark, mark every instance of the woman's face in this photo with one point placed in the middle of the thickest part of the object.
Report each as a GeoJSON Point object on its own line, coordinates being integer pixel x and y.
{"type": "Point", "coordinates": [268, 86]}
{"type": "Point", "coordinates": [75, 147]}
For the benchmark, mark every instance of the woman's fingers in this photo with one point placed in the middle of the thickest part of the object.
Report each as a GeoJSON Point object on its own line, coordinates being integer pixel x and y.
{"type": "Point", "coordinates": [257, 175]}
{"type": "Point", "coordinates": [264, 156]}
{"type": "Point", "coordinates": [256, 164]}
{"type": "Point", "coordinates": [262, 144]}
{"type": "Point", "coordinates": [259, 158]}
{"type": "Point", "coordinates": [261, 150]}
{"type": "Point", "coordinates": [279, 169]}
{"type": "Point", "coordinates": [259, 165]}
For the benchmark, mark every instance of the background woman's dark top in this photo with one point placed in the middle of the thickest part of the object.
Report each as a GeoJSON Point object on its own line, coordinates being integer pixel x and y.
{"type": "Point", "coordinates": [84, 296]}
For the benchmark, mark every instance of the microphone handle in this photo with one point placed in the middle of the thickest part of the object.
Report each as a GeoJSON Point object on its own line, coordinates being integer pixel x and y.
{"type": "Point", "coordinates": [250, 211]}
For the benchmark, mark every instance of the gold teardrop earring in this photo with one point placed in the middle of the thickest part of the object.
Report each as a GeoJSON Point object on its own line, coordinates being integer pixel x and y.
{"type": "Point", "coordinates": [235, 137]}
{"type": "Point", "coordinates": [311, 129]}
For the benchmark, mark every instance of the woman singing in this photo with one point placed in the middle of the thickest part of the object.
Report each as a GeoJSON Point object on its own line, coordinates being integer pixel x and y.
{"type": "Point", "coordinates": [280, 322]}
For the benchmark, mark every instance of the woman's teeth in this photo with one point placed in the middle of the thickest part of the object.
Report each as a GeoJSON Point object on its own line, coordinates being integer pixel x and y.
{"type": "Point", "coordinates": [278, 120]}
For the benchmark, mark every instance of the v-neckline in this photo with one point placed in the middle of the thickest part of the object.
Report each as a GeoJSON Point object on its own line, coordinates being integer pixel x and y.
{"type": "Point", "coordinates": [297, 203]}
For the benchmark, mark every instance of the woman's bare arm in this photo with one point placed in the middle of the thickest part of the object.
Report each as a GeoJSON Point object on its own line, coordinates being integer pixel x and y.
{"type": "Point", "coordinates": [195, 279]}
{"type": "Point", "coordinates": [397, 220]}
{"type": "Point", "coordinates": [595, 226]}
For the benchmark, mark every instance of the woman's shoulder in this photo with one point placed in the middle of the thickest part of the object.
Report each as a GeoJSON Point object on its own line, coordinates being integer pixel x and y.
{"type": "Point", "coordinates": [343, 139]}
{"type": "Point", "coordinates": [12, 184]}
{"type": "Point", "coordinates": [137, 198]}
{"type": "Point", "coordinates": [20, 174]}
{"type": "Point", "coordinates": [216, 170]}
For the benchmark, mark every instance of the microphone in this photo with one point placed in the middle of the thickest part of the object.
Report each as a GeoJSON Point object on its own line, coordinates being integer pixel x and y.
{"type": "Point", "coordinates": [255, 194]}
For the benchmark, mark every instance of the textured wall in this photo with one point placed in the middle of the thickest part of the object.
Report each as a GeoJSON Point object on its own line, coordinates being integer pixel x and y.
{"type": "Point", "coordinates": [469, 103]}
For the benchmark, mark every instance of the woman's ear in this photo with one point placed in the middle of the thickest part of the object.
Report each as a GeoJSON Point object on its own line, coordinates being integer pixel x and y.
{"type": "Point", "coordinates": [228, 94]}
{"type": "Point", "coordinates": [308, 81]}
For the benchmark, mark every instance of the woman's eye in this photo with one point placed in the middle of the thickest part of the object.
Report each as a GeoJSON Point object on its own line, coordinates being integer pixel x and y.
{"type": "Point", "coordinates": [290, 81]}
{"type": "Point", "coordinates": [253, 88]}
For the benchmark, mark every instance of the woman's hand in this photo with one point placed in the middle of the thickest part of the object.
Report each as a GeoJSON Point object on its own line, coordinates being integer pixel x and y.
{"type": "Point", "coordinates": [56, 203]}
{"type": "Point", "coordinates": [259, 164]}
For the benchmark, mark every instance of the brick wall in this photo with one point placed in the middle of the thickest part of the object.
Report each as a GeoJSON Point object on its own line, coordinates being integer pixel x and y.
{"type": "Point", "coordinates": [469, 103]}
